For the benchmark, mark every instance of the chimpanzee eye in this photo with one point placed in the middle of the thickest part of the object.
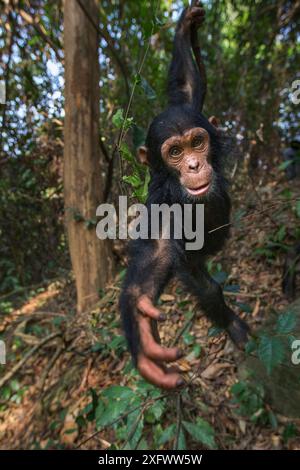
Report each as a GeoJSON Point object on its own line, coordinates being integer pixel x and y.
{"type": "Point", "coordinates": [175, 151]}
{"type": "Point", "coordinates": [197, 141]}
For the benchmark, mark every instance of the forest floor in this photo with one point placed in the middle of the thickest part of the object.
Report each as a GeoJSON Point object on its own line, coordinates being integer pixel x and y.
{"type": "Point", "coordinates": [40, 401]}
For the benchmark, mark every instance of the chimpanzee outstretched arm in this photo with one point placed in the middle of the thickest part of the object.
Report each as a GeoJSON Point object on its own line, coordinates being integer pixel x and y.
{"type": "Point", "coordinates": [150, 267]}
{"type": "Point", "coordinates": [211, 301]}
{"type": "Point", "coordinates": [187, 83]}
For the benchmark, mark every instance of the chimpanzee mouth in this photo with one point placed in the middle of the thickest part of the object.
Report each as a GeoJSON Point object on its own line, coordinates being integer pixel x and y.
{"type": "Point", "coordinates": [200, 190]}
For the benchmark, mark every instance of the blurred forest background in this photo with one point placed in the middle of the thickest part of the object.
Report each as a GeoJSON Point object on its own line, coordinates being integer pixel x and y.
{"type": "Point", "coordinates": [82, 81]}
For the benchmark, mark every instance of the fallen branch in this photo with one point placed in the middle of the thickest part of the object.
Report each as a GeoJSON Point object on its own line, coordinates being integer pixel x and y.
{"type": "Point", "coordinates": [30, 353]}
{"type": "Point", "coordinates": [183, 330]}
{"type": "Point", "coordinates": [178, 422]}
{"type": "Point", "coordinates": [244, 294]}
{"type": "Point", "coordinates": [51, 364]}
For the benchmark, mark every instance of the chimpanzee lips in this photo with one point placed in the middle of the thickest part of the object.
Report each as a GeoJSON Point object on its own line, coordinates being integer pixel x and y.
{"type": "Point", "coordinates": [200, 190]}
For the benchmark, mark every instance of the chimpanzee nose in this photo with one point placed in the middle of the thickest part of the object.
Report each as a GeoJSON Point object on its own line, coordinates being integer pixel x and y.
{"type": "Point", "coordinates": [193, 164]}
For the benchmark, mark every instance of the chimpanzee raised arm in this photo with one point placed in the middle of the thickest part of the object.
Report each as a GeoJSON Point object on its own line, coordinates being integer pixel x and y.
{"type": "Point", "coordinates": [186, 84]}
{"type": "Point", "coordinates": [184, 151]}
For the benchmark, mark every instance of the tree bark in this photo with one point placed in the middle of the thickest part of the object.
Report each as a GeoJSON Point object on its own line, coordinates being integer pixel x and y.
{"type": "Point", "coordinates": [83, 183]}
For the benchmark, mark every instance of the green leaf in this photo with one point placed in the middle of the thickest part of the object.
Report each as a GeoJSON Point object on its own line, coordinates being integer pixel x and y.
{"type": "Point", "coordinates": [201, 431]}
{"type": "Point", "coordinates": [272, 419]}
{"type": "Point", "coordinates": [117, 344]}
{"type": "Point", "coordinates": [105, 415]}
{"type": "Point", "coordinates": [188, 338]}
{"type": "Point", "coordinates": [289, 432]}
{"type": "Point", "coordinates": [244, 307]}
{"type": "Point", "coordinates": [135, 426]}
{"type": "Point", "coordinates": [270, 351]}
{"type": "Point", "coordinates": [125, 153]}
{"type": "Point", "coordinates": [115, 402]}
{"type": "Point", "coordinates": [280, 235]}
{"type": "Point", "coordinates": [220, 277]}
{"type": "Point", "coordinates": [143, 445]}
{"type": "Point", "coordinates": [120, 122]}
{"type": "Point", "coordinates": [134, 180]}
{"type": "Point", "coordinates": [264, 252]}
{"type": "Point", "coordinates": [181, 440]}
{"type": "Point", "coordinates": [283, 166]}
{"type": "Point", "coordinates": [291, 339]}
{"type": "Point", "coordinates": [251, 346]}
{"type": "Point", "coordinates": [286, 322]}
{"type": "Point", "coordinates": [196, 351]}
{"type": "Point", "coordinates": [117, 392]}
{"type": "Point", "coordinates": [118, 119]}
{"type": "Point", "coordinates": [287, 193]}
{"type": "Point", "coordinates": [81, 422]}
{"type": "Point", "coordinates": [214, 331]}
{"type": "Point", "coordinates": [145, 187]}
{"type": "Point", "coordinates": [154, 412]}
{"type": "Point", "coordinates": [232, 288]}
{"type": "Point", "coordinates": [70, 431]}
{"type": "Point", "coordinates": [167, 435]}
{"type": "Point", "coordinates": [238, 388]}
{"type": "Point", "coordinates": [97, 347]}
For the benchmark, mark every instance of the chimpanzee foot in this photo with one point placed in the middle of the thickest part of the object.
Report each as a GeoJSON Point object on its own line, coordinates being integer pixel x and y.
{"type": "Point", "coordinates": [238, 331]}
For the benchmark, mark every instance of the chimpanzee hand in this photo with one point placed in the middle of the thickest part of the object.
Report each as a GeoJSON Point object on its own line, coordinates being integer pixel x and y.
{"type": "Point", "coordinates": [152, 356]}
{"type": "Point", "coordinates": [192, 16]}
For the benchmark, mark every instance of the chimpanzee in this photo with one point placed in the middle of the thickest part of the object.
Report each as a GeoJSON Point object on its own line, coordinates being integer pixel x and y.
{"type": "Point", "coordinates": [184, 151]}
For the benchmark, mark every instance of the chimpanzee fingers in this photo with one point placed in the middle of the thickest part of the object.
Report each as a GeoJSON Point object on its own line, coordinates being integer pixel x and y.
{"type": "Point", "coordinates": [145, 306]}
{"type": "Point", "coordinates": [197, 13]}
{"type": "Point", "coordinates": [154, 374]}
{"type": "Point", "coordinates": [150, 347]}
{"type": "Point", "coordinates": [197, 10]}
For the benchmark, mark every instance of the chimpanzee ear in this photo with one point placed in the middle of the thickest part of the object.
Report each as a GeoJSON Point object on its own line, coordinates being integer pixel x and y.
{"type": "Point", "coordinates": [143, 155]}
{"type": "Point", "coordinates": [214, 121]}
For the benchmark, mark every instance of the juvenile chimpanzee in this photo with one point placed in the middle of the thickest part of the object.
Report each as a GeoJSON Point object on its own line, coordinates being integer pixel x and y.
{"type": "Point", "coordinates": [184, 150]}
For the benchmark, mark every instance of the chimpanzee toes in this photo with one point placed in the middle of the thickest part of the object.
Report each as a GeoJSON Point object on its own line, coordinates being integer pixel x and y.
{"type": "Point", "coordinates": [238, 331]}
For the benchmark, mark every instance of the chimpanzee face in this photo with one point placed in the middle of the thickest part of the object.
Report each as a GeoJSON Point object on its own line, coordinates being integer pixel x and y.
{"type": "Point", "coordinates": [189, 155]}
{"type": "Point", "coordinates": [181, 140]}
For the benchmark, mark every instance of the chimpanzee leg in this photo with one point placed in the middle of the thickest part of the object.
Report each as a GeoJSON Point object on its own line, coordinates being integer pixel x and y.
{"type": "Point", "coordinates": [150, 268]}
{"type": "Point", "coordinates": [211, 301]}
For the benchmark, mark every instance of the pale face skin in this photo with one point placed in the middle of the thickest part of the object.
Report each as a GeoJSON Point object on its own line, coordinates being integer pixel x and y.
{"type": "Point", "coordinates": [188, 154]}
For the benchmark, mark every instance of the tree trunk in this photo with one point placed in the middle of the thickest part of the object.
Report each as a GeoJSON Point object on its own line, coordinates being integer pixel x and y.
{"type": "Point", "coordinates": [83, 184]}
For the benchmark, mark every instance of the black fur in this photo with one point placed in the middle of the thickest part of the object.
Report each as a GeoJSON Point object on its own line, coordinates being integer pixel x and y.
{"type": "Point", "coordinates": [149, 269]}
